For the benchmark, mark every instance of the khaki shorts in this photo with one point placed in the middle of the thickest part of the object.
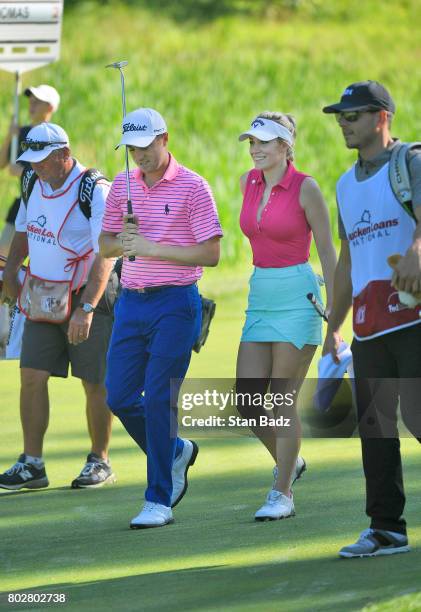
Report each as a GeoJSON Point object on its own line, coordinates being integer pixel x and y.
{"type": "Point", "coordinates": [45, 346]}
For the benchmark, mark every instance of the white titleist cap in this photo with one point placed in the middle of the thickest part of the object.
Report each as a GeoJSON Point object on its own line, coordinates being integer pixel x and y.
{"type": "Point", "coordinates": [45, 93]}
{"type": "Point", "coordinates": [266, 129]}
{"type": "Point", "coordinates": [42, 140]}
{"type": "Point", "coordinates": [141, 127]}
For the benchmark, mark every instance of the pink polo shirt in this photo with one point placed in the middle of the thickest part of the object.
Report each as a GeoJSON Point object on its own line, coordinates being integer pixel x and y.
{"type": "Point", "coordinates": [178, 210]}
{"type": "Point", "coordinates": [283, 236]}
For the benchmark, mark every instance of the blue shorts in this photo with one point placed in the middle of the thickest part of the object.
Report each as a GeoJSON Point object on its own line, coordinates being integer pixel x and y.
{"type": "Point", "coordinates": [278, 309]}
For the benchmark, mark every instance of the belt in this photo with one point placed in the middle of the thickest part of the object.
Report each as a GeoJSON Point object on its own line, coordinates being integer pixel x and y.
{"type": "Point", "coordinates": [153, 289]}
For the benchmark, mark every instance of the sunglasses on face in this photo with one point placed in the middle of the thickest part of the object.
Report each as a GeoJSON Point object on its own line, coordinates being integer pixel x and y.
{"type": "Point", "coordinates": [38, 146]}
{"type": "Point", "coordinates": [352, 116]}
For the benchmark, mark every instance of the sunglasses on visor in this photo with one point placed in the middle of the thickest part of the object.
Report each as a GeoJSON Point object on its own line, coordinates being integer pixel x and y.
{"type": "Point", "coordinates": [352, 116]}
{"type": "Point", "coordinates": [37, 146]}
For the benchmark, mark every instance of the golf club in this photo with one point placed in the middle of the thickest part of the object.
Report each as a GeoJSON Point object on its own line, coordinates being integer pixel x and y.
{"type": "Point", "coordinates": [119, 66]}
{"type": "Point", "coordinates": [319, 308]}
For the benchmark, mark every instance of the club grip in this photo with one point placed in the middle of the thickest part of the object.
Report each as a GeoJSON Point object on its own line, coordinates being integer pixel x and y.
{"type": "Point", "coordinates": [318, 307]}
{"type": "Point", "coordinates": [130, 214]}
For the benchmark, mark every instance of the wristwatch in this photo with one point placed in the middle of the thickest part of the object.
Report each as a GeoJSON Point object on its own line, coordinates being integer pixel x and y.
{"type": "Point", "coordinates": [87, 307]}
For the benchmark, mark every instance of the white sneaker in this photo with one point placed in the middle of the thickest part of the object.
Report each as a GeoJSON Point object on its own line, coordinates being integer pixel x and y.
{"type": "Point", "coordinates": [277, 506]}
{"type": "Point", "coordinates": [152, 515]}
{"type": "Point", "coordinates": [300, 468]}
{"type": "Point", "coordinates": [376, 542]}
{"type": "Point", "coordinates": [180, 468]}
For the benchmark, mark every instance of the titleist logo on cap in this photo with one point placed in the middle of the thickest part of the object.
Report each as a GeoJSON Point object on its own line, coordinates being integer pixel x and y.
{"type": "Point", "coordinates": [132, 127]}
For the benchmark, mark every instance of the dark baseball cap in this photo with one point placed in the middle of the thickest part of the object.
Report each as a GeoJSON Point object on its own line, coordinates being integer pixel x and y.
{"type": "Point", "coordinates": [364, 95]}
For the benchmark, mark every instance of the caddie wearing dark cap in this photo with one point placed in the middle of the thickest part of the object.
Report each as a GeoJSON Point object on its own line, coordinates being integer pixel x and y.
{"type": "Point", "coordinates": [386, 350]}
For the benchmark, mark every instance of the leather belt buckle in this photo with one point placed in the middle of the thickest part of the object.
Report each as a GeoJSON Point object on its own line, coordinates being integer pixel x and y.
{"type": "Point", "coordinates": [151, 289]}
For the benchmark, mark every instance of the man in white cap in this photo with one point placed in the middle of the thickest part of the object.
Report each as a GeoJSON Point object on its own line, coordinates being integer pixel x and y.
{"type": "Point", "coordinates": [44, 100]}
{"type": "Point", "coordinates": [62, 297]}
{"type": "Point", "coordinates": [176, 232]}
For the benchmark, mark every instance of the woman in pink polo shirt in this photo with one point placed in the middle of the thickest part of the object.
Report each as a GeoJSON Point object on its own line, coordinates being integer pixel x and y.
{"type": "Point", "coordinates": [282, 208]}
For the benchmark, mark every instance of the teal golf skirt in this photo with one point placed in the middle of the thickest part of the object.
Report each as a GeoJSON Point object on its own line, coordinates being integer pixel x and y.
{"type": "Point", "coordinates": [278, 309]}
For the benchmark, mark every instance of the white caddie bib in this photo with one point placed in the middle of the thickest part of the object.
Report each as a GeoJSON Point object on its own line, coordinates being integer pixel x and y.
{"type": "Point", "coordinates": [376, 226]}
{"type": "Point", "coordinates": [56, 267]}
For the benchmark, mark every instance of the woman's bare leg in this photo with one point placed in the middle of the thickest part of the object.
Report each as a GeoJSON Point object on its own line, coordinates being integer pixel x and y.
{"type": "Point", "coordinates": [290, 366]}
{"type": "Point", "coordinates": [254, 367]}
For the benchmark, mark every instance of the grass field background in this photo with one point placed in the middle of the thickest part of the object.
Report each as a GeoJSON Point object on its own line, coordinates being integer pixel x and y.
{"type": "Point", "coordinates": [215, 557]}
{"type": "Point", "coordinates": [210, 71]}
{"type": "Point", "coordinates": [209, 67]}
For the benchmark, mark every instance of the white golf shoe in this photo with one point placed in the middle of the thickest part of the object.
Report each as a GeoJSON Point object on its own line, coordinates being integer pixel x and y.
{"type": "Point", "coordinates": [152, 515]}
{"type": "Point", "coordinates": [277, 506]}
{"type": "Point", "coordinates": [180, 468]}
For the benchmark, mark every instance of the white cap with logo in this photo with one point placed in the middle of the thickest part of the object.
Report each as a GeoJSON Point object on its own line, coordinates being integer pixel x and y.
{"type": "Point", "coordinates": [266, 129]}
{"type": "Point", "coordinates": [42, 140]}
{"type": "Point", "coordinates": [45, 93]}
{"type": "Point", "coordinates": [141, 127]}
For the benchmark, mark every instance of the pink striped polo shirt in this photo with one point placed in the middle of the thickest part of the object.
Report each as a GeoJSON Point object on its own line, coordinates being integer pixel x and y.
{"type": "Point", "coordinates": [178, 210]}
{"type": "Point", "coordinates": [283, 236]}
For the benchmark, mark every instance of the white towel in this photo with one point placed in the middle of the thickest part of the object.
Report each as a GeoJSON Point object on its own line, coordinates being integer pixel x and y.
{"type": "Point", "coordinates": [330, 376]}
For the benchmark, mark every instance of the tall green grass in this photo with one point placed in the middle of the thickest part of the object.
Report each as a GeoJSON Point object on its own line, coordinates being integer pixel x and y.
{"type": "Point", "coordinates": [209, 78]}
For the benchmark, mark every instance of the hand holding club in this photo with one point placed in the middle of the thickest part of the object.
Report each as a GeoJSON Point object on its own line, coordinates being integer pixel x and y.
{"type": "Point", "coordinates": [134, 244]}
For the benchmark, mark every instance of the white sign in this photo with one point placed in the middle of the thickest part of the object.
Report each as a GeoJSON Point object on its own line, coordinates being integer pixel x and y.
{"type": "Point", "coordinates": [29, 34]}
{"type": "Point", "coordinates": [17, 12]}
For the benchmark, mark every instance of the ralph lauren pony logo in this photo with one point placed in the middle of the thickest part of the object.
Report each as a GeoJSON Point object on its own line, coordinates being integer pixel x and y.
{"type": "Point", "coordinates": [167, 209]}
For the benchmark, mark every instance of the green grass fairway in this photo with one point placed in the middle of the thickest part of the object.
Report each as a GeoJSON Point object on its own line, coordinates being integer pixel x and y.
{"type": "Point", "coordinates": [215, 557]}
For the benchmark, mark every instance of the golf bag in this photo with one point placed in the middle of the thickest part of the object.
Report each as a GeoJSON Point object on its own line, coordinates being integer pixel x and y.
{"type": "Point", "coordinates": [399, 175]}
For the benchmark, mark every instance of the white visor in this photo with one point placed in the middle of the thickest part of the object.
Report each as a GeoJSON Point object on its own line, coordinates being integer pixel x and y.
{"type": "Point", "coordinates": [266, 129]}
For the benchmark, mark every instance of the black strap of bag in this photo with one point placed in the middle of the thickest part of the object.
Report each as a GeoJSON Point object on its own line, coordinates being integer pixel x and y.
{"type": "Point", "coordinates": [90, 178]}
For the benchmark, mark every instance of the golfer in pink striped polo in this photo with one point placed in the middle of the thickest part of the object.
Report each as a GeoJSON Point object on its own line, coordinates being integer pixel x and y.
{"type": "Point", "coordinates": [175, 233]}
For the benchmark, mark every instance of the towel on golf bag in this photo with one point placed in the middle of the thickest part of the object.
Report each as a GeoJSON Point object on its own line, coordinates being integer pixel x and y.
{"type": "Point", "coordinates": [208, 311]}
{"type": "Point", "coordinates": [12, 321]}
{"type": "Point", "coordinates": [330, 375]}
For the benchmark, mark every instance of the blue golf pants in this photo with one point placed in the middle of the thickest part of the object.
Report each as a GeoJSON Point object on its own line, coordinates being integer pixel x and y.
{"type": "Point", "coordinates": [151, 344]}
